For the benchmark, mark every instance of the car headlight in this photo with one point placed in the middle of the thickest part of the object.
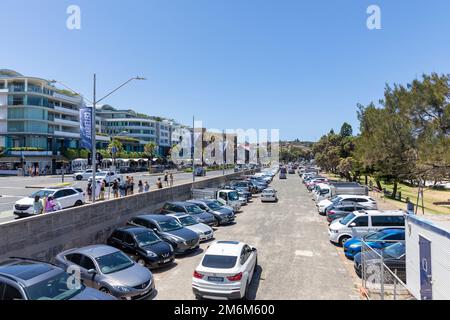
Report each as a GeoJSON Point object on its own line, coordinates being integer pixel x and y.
{"type": "Point", "coordinates": [151, 254]}
{"type": "Point", "coordinates": [354, 245]}
{"type": "Point", "coordinates": [122, 288]}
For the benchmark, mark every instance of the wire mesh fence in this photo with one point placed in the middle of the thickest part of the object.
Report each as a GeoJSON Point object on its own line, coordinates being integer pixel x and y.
{"type": "Point", "coordinates": [381, 266]}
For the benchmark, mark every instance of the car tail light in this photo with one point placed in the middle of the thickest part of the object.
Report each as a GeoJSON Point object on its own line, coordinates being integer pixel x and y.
{"type": "Point", "coordinates": [236, 277]}
{"type": "Point", "coordinates": [331, 212]}
{"type": "Point", "coordinates": [198, 275]}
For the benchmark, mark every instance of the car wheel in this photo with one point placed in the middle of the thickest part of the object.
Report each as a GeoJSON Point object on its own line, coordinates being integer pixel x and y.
{"type": "Point", "coordinates": [79, 178]}
{"type": "Point", "coordinates": [78, 203]}
{"type": "Point", "coordinates": [198, 297]}
{"type": "Point", "coordinates": [105, 291]}
{"type": "Point", "coordinates": [343, 240]}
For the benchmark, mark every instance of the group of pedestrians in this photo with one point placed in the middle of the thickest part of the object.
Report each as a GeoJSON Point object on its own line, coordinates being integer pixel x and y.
{"type": "Point", "coordinates": [45, 205]}
{"type": "Point", "coordinates": [126, 187]}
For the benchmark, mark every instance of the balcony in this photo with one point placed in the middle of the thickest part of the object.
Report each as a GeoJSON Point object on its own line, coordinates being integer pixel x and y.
{"type": "Point", "coordinates": [69, 123]}
{"type": "Point", "coordinates": [60, 96]}
{"type": "Point", "coordinates": [67, 111]}
{"type": "Point", "coordinates": [67, 134]}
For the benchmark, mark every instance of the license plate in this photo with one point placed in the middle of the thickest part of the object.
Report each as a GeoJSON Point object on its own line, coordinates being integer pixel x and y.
{"type": "Point", "coordinates": [166, 261]}
{"type": "Point", "coordinates": [215, 279]}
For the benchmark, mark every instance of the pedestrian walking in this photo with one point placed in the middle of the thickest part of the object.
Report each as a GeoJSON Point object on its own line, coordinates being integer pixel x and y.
{"type": "Point", "coordinates": [171, 179]}
{"type": "Point", "coordinates": [89, 190]}
{"type": "Point", "coordinates": [38, 205]}
{"type": "Point", "coordinates": [115, 189]}
{"type": "Point", "coordinates": [52, 205]}
{"type": "Point", "coordinates": [131, 185]}
{"type": "Point", "coordinates": [98, 189]}
{"type": "Point", "coordinates": [123, 188]}
{"type": "Point", "coordinates": [146, 187]}
{"type": "Point", "coordinates": [102, 190]}
{"type": "Point", "coordinates": [159, 184]}
{"type": "Point", "coordinates": [140, 186]}
{"type": "Point", "coordinates": [166, 179]}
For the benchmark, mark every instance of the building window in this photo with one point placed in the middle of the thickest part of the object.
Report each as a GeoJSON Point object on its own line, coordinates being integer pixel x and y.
{"type": "Point", "coordinates": [16, 100]}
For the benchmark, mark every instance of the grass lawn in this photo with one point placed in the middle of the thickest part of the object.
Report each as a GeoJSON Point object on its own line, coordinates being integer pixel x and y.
{"type": "Point", "coordinates": [430, 196]}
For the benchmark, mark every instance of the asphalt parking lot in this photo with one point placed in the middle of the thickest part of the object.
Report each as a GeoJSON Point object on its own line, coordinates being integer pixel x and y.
{"type": "Point", "coordinates": [296, 260]}
{"type": "Point", "coordinates": [15, 188]}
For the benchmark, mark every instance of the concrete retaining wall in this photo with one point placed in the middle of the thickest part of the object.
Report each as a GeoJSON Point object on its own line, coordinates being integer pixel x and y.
{"type": "Point", "coordinates": [44, 236]}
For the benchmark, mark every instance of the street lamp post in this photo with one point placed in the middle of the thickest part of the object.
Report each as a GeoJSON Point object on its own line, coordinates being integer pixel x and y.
{"type": "Point", "coordinates": [93, 127]}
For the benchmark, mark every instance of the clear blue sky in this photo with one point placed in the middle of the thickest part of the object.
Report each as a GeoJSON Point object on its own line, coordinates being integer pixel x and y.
{"type": "Point", "coordinates": [300, 66]}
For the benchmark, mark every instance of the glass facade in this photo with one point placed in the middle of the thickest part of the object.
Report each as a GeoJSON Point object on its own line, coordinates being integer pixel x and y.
{"type": "Point", "coordinates": [28, 126]}
{"type": "Point", "coordinates": [28, 113]}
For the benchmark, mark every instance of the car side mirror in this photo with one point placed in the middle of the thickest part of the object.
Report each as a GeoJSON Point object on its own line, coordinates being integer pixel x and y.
{"type": "Point", "coordinates": [154, 229]}
{"type": "Point", "coordinates": [92, 272]}
{"type": "Point", "coordinates": [253, 249]}
{"type": "Point", "coordinates": [352, 225]}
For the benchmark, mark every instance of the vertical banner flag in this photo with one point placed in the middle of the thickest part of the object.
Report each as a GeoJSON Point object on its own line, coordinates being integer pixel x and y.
{"type": "Point", "coordinates": [86, 127]}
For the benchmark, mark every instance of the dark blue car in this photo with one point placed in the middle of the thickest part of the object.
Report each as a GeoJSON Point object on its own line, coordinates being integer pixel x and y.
{"type": "Point", "coordinates": [376, 240]}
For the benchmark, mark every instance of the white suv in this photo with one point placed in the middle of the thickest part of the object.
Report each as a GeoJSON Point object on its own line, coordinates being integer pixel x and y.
{"type": "Point", "coordinates": [67, 197]}
{"type": "Point", "coordinates": [365, 201]}
{"type": "Point", "coordinates": [225, 271]}
{"type": "Point", "coordinates": [360, 223]}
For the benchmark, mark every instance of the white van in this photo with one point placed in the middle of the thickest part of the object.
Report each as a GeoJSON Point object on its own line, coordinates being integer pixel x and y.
{"type": "Point", "coordinates": [360, 223]}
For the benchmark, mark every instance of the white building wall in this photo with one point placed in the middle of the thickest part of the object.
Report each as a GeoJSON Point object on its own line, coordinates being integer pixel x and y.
{"type": "Point", "coordinates": [440, 261]}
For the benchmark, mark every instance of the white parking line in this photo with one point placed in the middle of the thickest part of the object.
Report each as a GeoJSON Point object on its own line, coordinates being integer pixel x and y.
{"type": "Point", "coordinates": [304, 253]}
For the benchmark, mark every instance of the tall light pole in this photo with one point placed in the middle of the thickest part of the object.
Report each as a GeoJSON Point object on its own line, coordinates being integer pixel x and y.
{"type": "Point", "coordinates": [93, 118]}
{"type": "Point", "coordinates": [193, 148]}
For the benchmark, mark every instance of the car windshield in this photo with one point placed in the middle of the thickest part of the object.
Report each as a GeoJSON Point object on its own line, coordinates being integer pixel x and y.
{"type": "Point", "coordinates": [54, 288]}
{"type": "Point", "coordinates": [233, 196]}
{"type": "Point", "coordinates": [42, 193]}
{"type": "Point", "coordinates": [336, 199]}
{"type": "Point", "coordinates": [170, 225]}
{"type": "Point", "coordinates": [347, 219]}
{"type": "Point", "coordinates": [114, 262]}
{"type": "Point", "coordinates": [218, 203]}
{"type": "Point", "coordinates": [147, 238]}
{"type": "Point", "coordinates": [213, 205]}
{"type": "Point", "coordinates": [376, 236]}
{"type": "Point", "coordinates": [188, 221]}
{"type": "Point", "coordinates": [194, 209]}
{"type": "Point", "coordinates": [395, 251]}
{"type": "Point", "coordinates": [219, 262]}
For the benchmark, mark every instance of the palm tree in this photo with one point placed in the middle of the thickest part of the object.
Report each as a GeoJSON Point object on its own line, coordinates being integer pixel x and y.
{"type": "Point", "coordinates": [115, 144]}
{"type": "Point", "coordinates": [149, 149]}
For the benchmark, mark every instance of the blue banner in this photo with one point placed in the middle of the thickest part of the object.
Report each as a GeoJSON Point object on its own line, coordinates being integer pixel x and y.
{"type": "Point", "coordinates": [86, 128]}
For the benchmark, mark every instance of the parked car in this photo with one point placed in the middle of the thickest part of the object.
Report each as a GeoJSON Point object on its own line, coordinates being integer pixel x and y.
{"type": "Point", "coordinates": [204, 232]}
{"type": "Point", "coordinates": [143, 245]}
{"type": "Point", "coordinates": [200, 172]}
{"type": "Point", "coordinates": [108, 176]}
{"type": "Point", "coordinates": [169, 229]}
{"type": "Point", "coordinates": [366, 201]}
{"type": "Point", "coordinates": [291, 170]}
{"type": "Point", "coordinates": [394, 257]}
{"type": "Point", "coordinates": [269, 195]}
{"type": "Point", "coordinates": [191, 209]}
{"type": "Point", "coordinates": [82, 175]}
{"type": "Point", "coordinates": [225, 271]}
{"type": "Point", "coordinates": [223, 214]}
{"type": "Point", "coordinates": [376, 240]}
{"type": "Point", "coordinates": [110, 270]}
{"type": "Point", "coordinates": [66, 196]}
{"type": "Point", "coordinates": [341, 210]}
{"type": "Point", "coordinates": [27, 279]}
{"type": "Point", "coordinates": [360, 223]}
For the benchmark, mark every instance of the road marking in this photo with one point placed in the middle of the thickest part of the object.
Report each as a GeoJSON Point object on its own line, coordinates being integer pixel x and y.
{"type": "Point", "coordinates": [304, 253]}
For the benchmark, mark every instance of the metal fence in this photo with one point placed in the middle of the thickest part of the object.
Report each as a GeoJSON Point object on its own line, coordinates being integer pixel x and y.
{"type": "Point", "coordinates": [382, 271]}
